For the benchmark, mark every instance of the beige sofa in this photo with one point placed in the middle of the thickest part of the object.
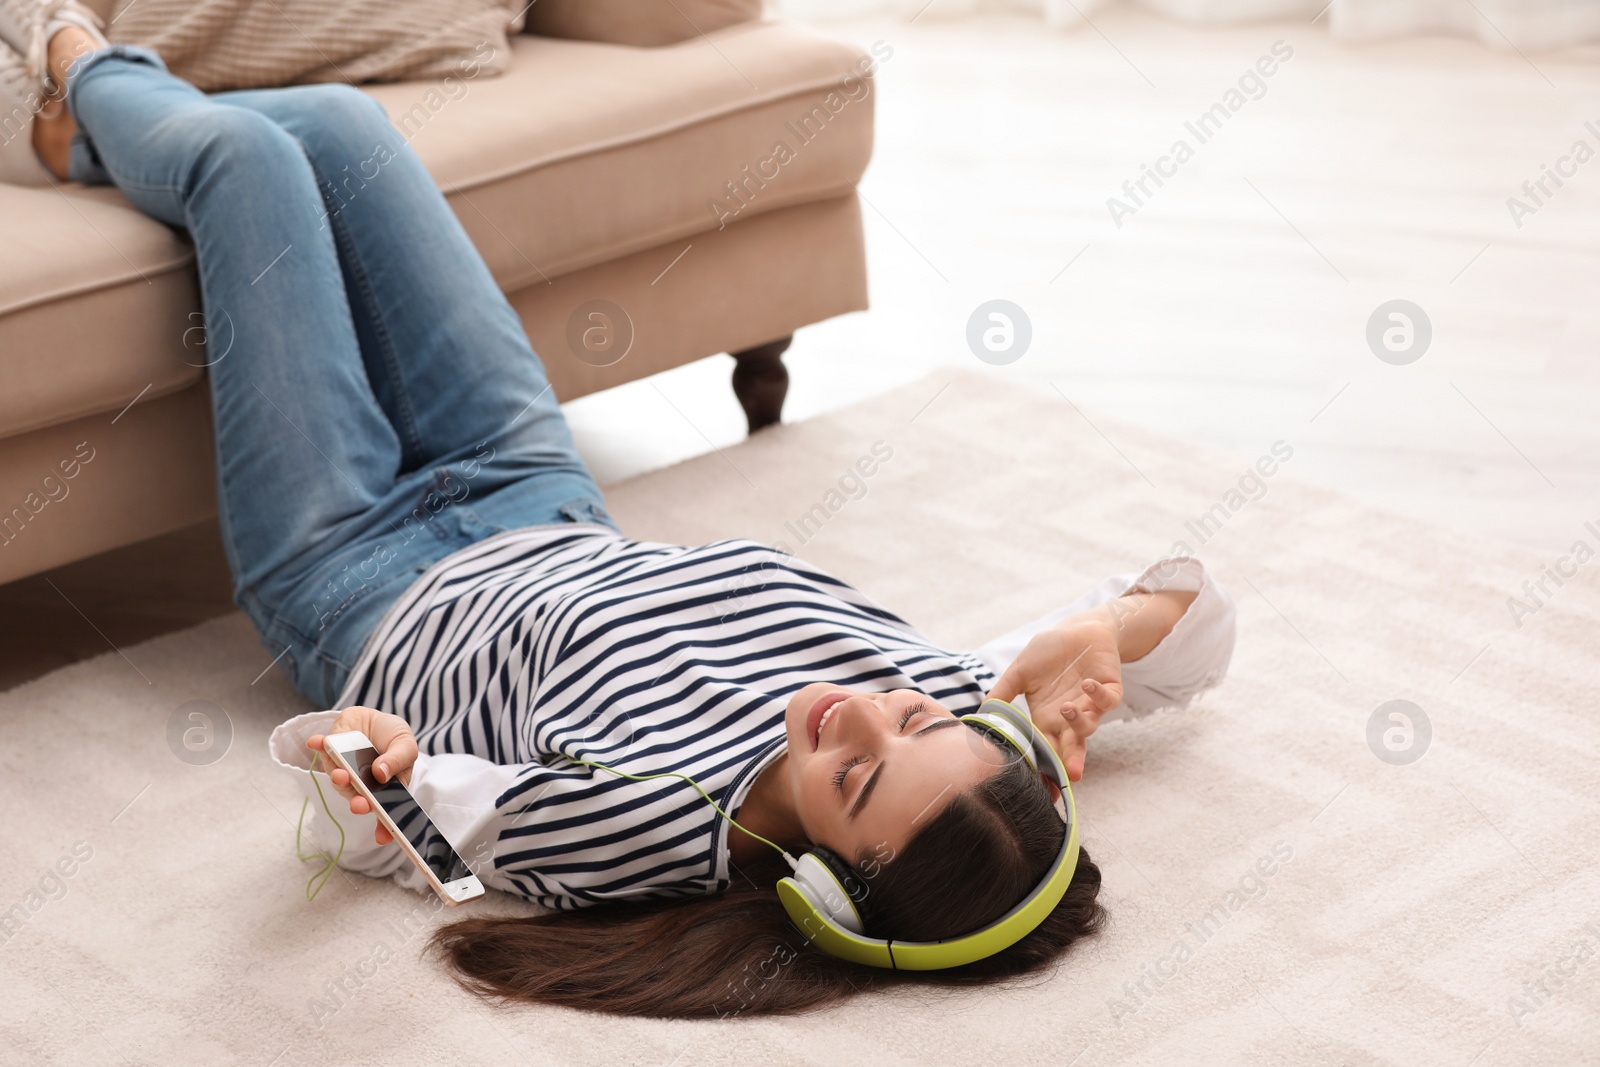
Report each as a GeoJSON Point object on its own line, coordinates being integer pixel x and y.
{"type": "Point", "coordinates": [637, 169]}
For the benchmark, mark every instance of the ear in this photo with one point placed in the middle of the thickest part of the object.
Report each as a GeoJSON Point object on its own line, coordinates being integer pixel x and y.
{"type": "Point", "coordinates": [1055, 790]}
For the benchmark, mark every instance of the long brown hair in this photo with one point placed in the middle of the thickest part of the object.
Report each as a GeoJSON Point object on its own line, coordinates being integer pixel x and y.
{"type": "Point", "coordinates": [737, 953]}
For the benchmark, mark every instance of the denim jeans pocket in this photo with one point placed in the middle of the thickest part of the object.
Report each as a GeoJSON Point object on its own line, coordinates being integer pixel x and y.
{"type": "Point", "coordinates": [586, 509]}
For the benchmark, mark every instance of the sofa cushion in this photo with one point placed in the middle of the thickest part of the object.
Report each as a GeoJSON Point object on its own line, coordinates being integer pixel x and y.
{"type": "Point", "coordinates": [97, 303]}
{"type": "Point", "coordinates": [647, 23]}
{"type": "Point", "coordinates": [581, 153]}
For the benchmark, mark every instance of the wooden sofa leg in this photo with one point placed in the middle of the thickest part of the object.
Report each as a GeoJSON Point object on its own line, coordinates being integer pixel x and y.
{"type": "Point", "coordinates": [760, 381]}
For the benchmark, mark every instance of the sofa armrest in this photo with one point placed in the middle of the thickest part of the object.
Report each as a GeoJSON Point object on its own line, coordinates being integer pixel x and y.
{"type": "Point", "coordinates": [641, 23]}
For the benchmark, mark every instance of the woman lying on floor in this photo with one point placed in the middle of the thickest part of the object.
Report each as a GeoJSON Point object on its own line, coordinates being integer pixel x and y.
{"type": "Point", "coordinates": [410, 529]}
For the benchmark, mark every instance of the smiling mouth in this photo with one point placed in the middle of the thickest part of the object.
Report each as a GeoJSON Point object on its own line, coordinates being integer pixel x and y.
{"type": "Point", "coordinates": [827, 715]}
{"type": "Point", "coordinates": [819, 715]}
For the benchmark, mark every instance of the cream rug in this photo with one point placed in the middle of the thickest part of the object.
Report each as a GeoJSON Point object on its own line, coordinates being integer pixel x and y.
{"type": "Point", "coordinates": [1279, 893]}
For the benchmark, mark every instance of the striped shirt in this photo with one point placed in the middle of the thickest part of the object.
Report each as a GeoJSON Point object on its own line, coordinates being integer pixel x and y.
{"type": "Point", "coordinates": [547, 644]}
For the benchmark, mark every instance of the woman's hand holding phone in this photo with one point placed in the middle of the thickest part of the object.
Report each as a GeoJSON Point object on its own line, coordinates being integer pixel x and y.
{"type": "Point", "coordinates": [397, 751]}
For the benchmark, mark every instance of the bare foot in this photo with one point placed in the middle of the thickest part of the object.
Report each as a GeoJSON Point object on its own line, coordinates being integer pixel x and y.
{"type": "Point", "coordinates": [52, 137]}
{"type": "Point", "coordinates": [54, 126]}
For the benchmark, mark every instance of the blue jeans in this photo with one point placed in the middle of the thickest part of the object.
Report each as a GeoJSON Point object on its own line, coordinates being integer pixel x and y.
{"type": "Point", "coordinates": [377, 405]}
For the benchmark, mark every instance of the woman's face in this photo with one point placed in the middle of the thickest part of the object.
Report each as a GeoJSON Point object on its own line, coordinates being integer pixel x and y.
{"type": "Point", "coordinates": [869, 769]}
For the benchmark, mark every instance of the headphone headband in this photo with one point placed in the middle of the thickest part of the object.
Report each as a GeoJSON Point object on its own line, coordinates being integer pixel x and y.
{"type": "Point", "coordinates": [817, 900]}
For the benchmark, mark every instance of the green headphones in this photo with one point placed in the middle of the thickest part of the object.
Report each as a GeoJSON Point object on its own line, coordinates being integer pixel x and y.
{"type": "Point", "coordinates": [825, 898]}
{"type": "Point", "coordinates": [822, 897]}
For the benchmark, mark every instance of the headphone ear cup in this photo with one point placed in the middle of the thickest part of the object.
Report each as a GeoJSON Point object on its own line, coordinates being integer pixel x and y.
{"type": "Point", "coordinates": [854, 886]}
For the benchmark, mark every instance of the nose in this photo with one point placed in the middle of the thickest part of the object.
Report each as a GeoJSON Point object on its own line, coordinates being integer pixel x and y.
{"type": "Point", "coordinates": [860, 721]}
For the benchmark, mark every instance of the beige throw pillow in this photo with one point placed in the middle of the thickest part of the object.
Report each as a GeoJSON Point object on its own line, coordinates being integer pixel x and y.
{"type": "Point", "coordinates": [249, 44]}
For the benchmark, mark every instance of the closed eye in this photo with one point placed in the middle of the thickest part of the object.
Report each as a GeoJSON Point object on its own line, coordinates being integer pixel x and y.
{"type": "Point", "coordinates": [872, 779]}
{"type": "Point", "coordinates": [855, 761]}
{"type": "Point", "coordinates": [912, 712]}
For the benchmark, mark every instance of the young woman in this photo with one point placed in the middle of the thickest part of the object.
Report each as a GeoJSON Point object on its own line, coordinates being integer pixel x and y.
{"type": "Point", "coordinates": [411, 529]}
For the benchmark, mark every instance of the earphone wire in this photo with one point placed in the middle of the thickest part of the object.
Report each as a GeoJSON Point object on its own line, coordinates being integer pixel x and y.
{"type": "Point", "coordinates": [793, 863]}
{"type": "Point", "coordinates": [333, 861]}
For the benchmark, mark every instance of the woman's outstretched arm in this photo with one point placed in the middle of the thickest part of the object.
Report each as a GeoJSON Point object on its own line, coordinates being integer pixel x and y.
{"type": "Point", "coordinates": [1128, 647]}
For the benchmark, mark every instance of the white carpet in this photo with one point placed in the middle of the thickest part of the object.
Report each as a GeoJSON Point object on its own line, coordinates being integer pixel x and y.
{"type": "Point", "coordinates": [1428, 914]}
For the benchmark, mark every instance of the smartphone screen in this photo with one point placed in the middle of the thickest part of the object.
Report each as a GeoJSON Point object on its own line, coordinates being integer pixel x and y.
{"type": "Point", "coordinates": [408, 815]}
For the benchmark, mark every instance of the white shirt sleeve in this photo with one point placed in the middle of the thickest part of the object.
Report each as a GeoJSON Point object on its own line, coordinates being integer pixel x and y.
{"type": "Point", "coordinates": [1192, 658]}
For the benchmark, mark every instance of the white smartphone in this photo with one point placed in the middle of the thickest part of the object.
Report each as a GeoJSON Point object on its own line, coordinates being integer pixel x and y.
{"type": "Point", "coordinates": [403, 817]}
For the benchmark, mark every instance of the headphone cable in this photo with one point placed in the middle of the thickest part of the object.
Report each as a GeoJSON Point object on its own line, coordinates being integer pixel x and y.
{"type": "Point", "coordinates": [793, 863]}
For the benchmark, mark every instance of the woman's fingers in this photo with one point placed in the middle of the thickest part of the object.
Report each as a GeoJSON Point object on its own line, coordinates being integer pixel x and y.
{"type": "Point", "coordinates": [1083, 716]}
{"type": "Point", "coordinates": [1105, 695]}
{"type": "Point", "coordinates": [342, 782]}
{"type": "Point", "coordinates": [397, 747]}
{"type": "Point", "coordinates": [397, 758]}
{"type": "Point", "coordinates": [1008, 685]}
{"type": "Point", "coordinates": [1071, 748]}
{"type": "Point", "coordinates": [325, 763]}
{"type": "Point", "coordinates": [1074, 763]}
{"type": "Point", "coordinates": [382, 835]}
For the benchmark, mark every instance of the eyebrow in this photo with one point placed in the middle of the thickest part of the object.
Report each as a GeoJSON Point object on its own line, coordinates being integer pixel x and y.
{"type": "Point", "coordinates": [872, 779]}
